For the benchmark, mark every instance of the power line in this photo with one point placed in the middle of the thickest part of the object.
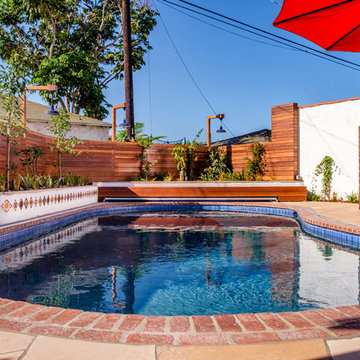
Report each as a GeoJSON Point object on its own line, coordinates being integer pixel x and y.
{"type": "Point", "coordinates": [186, 67]}
{"type": "Point", "coordinates": [227, 128]}
{"type": "Point", "coordinates": [188, 70]}
{"type": "Point", "coordinates": [266, 32]}
{"type": "Point", "coordinates": [268, 35]}
{"type": "Point", "coordinates": [275, 2]}
{"type": "Point", "coordinates": [222, 29]}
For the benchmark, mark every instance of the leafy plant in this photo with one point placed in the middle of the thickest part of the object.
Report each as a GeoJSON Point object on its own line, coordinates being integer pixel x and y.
{"type": "Point", "coordinates": [139, 128]}
{"type": "Point", "coordinates": [353, 197]}
{"type": "Point", "coordinates": [29, 181]}
{"type": "Point", "coordinates": [11, 127]}
{"type": "Point", "coordinates": [326, 169]}
{"type": "Point", "coordinates": [71, 179]}
{"type": "Point", "coordinates": [180, 154]}
{"type": "Point", "coordinates": [83, 181]}
{"type": "Point", "coordinates": [60, 126]}
{"type": "Point", "coordinates": [146, 142]}
{"type": "Point", "coordinates": [46, 181]}
{"type": "Point", "coordinates": [256, 165]}
{"type": "Point", "coordinates": [17, 182]}
{"type": "Point", "coordinates": [31, 157]}
{"type": "Point", "coordinates": [191, 158]}
{"type": "Point", "coordinates": [312, 196]}
{"type": "Point", "coordinates": [231, 176]}
{"type": "Point", "coordinates": [164, 177]}
{"type": "Point", "coordinates": [216, 164]}
{"type": "Point", "coordinates": [2, 182]}
{"type": "Point", "coordinates": [184, 156]}
{"type": "Point", "coordinates": [335, 197]}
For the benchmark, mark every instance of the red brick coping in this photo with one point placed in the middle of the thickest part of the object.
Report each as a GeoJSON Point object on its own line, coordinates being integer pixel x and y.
{"type": "Point", "coordinates": [186, 330]}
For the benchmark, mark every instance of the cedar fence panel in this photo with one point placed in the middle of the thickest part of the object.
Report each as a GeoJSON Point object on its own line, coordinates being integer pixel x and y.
{"type": "Point", "coordinates": [112, 161]}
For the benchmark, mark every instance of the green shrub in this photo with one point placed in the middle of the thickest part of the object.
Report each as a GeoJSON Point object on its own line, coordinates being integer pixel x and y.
{"type": "Point", "coordinates": [326, 169]}
{"type": "Point", "coordinates": [71, 179]}
{"type": "Point", "coordinates": [233, 176]}
{"type": "Point", "coordinates": [353, 197]}
{"type": "Point", "coordinates": [216, 164]}
{"type": "Point", "coordinates": [312, 196]}
{"type": "Point", "coordinates": [29, 181]}
{"type": "Point", "coordinates": [255, 166]}
{"type": "Point", "coordinates": [180, 154]}
{"type": "Point", "coordinates": [17, 182]}
{"type": "Point", "coordinates": [2, 182]}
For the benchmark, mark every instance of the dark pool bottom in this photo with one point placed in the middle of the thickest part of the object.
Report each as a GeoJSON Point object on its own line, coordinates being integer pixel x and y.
{"type": "Point", "coordinates": [181, 264]}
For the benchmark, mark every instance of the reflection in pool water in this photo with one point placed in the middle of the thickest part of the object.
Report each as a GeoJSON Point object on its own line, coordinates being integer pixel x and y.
{"type": "Point", "coordinates": [181, 264]}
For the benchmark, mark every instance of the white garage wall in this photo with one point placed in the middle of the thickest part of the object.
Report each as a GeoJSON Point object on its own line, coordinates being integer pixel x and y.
{"type": "Point", "coordinates": [330, 129]}
{"type": "Point", "coordinates": [80, 131]}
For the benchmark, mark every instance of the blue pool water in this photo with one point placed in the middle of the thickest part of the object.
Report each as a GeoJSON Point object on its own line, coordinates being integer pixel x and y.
{"type": "Point", "coordinates": [181, 264]}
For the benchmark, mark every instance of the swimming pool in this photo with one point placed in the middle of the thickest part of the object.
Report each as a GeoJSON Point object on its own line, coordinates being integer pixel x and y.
{"type": "Point", "coordinates": [181, 264]}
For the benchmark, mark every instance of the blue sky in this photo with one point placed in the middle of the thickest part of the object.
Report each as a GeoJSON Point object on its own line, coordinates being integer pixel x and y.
{"type": "Point", "coordinates": [241, 78]}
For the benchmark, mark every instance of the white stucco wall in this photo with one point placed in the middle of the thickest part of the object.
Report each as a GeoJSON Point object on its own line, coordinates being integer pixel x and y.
{"type": "Point", "coordinates": [330, 129]}
{"type": "Point", "coordinates": [80, 131]}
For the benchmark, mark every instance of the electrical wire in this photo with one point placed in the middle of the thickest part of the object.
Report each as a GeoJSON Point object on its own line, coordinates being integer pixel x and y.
{"type": "Point", "coordinates": [225, 30]}
{"type": "Point", "coordinates": [286, 46]}
{"type": "Point", "coordinates": [227, 128]}
{"type": "Point", "coordinates": [183, 62]}
{"type": "Point", "coordinates": [266, 34]}
{"type": "Point", "coordinates": [275, 2]}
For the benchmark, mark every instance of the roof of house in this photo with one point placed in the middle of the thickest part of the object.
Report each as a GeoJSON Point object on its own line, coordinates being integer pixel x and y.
{"type": "Point", "coordinates": [35, 112]}
{"type": "Point", "coordinates": [263, 135]}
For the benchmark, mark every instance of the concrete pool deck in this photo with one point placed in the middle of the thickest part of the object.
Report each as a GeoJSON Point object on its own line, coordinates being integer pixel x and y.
{"type": "Point", "coordinates": [37, 332]}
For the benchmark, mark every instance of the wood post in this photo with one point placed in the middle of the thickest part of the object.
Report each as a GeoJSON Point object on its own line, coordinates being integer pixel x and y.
{"type": "Point", "coordinates": [129, 97]}
{"type": "Point", "coordinates": [113, 136]}
{"type": "Point", "coordinates": [218, 116]}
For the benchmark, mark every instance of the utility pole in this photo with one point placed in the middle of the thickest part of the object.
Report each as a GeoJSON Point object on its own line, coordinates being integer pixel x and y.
{"type": "Point", "coordinates": [129, 92]}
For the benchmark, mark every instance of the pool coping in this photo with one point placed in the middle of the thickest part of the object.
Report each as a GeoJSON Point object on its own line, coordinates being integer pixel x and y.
{"type": "Point", "coordinates": [343, 321]}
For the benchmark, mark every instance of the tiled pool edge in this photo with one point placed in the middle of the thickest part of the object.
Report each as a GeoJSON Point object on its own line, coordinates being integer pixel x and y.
{"type": "Point", "coordinates": [343, 321]}
{"type": "Point", "coordinates": [348, 236]}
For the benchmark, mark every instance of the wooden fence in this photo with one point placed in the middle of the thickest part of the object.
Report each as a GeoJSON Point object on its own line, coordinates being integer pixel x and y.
{"type": "Point", "coordinates": [111, 161]}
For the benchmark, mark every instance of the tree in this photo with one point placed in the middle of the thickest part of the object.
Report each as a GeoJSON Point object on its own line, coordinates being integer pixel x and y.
{"type": "Point", "coordinates": [75, 44]}
{"type": "Point", "coordinates": [139, 128]}
{"type": "Point", "coordinates": [11, 126]}
{"type": "Point", "coordinates": [60, 126]}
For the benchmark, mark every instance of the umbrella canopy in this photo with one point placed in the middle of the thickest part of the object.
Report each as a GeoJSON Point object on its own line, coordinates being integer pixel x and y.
{"type": "Point", "coordinates": [331, 24]}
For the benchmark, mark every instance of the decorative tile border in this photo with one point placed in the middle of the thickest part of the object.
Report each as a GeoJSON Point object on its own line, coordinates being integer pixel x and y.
{"type": "Point", "coordinates": [23, 205]}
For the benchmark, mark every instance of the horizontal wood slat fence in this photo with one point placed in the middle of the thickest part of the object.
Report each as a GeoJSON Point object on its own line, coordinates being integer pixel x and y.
{"type": "Point", "coordinates": [111, 161]}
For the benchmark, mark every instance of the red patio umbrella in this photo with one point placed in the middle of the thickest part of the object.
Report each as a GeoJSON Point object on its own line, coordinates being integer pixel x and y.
{"type": "Point", "coordinates": [331, 24]}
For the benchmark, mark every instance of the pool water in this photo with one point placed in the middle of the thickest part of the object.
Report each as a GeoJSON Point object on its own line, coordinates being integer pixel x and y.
{"type": "Point", "coordinates": [181, 264]}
